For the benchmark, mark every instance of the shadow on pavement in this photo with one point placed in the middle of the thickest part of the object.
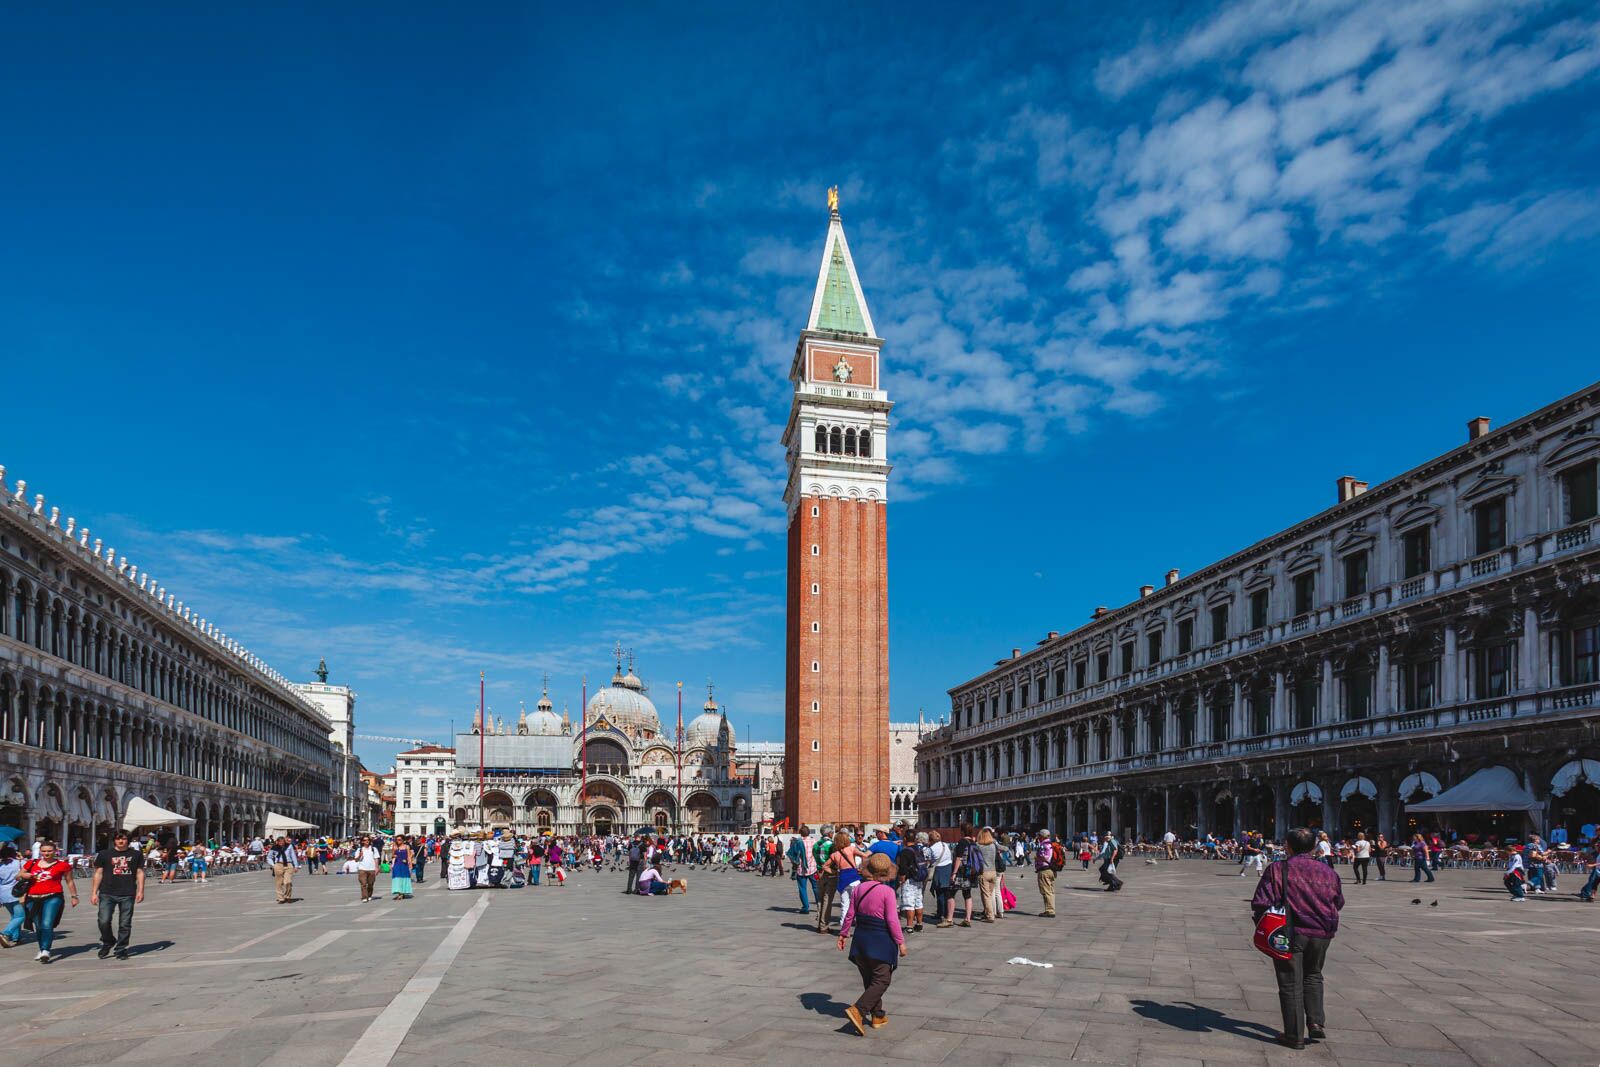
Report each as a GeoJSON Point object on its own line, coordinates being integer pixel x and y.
{"type": "Point", "coordinates": [1199, 1020]}
{"type": "Point", "coordinates": [822, 1004]}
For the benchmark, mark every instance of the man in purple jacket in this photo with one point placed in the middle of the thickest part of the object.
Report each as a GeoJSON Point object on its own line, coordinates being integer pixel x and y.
{"type": "Point", "coordinates": [1314, 898]}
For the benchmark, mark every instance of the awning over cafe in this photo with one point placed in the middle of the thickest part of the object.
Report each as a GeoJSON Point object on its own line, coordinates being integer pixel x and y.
{"type": "Point", "coordinates": [1491, 789]}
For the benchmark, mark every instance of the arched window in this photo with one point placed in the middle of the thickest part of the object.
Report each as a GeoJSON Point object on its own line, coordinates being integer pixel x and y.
{"type": "Point", "coordinates": [836, 441]}
{"type": "Point", "coordinates": [822, 439]}
{"type": "Point", "coordinates": [864, 444]}
{"type": "Point", "coordinates": [850, 442]}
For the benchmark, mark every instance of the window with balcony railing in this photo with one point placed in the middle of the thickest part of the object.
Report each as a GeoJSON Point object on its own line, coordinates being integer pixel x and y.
{"type": "Point", "coordinates": [1127, 658]}
{"type": "Point", "coordinates": [1261, 712]}
{"type": "Point", "coordinates": [1061, 681]}
{"type": "Point", "coordinates": [1582, 659]}
{"type": "Point", "coordinates": [1416, 552]}
{"type": "Point", "coordinates": [1305, 592]}
{"type": "Point", "coordinates": [1357, 695]}
{"type": "Point", "coordinates": [1102, 667]}
{"type": "Point", "coordinates": [1080, 674]}
{"type": "Point", "coordinates": [1185, 636]}
{"type": "Point", "coordinates": [1221, 721]}
{"type": "Point", "coordinates": [1491, 670]}
{"type": "Point", "coordinates": [1489, 526]}
{"type": "Point", "coordinates": [1418, 684]}
{"type": "Point", "coordinates": [1258, 609]}
{"type": "Point", "coordinates": [1153, 646]}
{"type": "Point", "coordinates": [1219, 624]}
{"type": "Point", "coordinates": [1303, 702]}
{"type": "Point", "coordinates": [1355, 574]}
{"type": "Point", "coordinates": [1579, 490]}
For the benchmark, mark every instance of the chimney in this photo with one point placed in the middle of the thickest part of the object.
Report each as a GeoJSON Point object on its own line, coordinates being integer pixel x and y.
{"type": "Point", "coordinates": [1098, 612]}
{"type": "Point", "coordinates": [1350, 488]}
{"type": "Point", "coordinates": [1052, 635]}
{"type": "Point", "coordinates": [1016, 652]}
{"type": "Point", "coordinates": [1477, 427]}
{"type": "Point", "coordinates": [1146, 590]}
{"type": "Point", "coordinates": [1172, 576]}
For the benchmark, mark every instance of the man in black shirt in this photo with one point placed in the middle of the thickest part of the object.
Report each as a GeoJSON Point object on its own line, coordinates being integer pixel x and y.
{"type": "Point", "coordinates": [118, 886]}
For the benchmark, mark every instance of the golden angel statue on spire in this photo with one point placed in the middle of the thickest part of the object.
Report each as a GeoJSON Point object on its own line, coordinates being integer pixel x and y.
{"type": "Point", "coordinates": [833, 198]}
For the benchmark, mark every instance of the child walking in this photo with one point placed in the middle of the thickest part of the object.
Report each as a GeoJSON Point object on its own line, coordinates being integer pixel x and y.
{"type": "Point", "coordinates": [878, 944]}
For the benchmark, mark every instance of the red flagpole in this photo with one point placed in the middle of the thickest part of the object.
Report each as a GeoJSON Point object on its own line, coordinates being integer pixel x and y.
{"type": "Point", "coordinates": [583, 753]}
{"type": "Point", "coordinates": [677, 813]}
{"type": "Point", "coordinates": [482, 729]}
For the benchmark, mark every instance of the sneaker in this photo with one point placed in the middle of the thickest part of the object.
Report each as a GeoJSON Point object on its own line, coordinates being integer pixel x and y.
{"type": "Point", "coordinates": [942, 925]}
{"type": "Point", "coordinates": [1517, 900]}
{"type": "Point", "coordinates": [853, 1013]}
{"type": "Point", "coordinates": [122, 955]}
{"type": "Point", "coordinates": [105, 950]}
{"type": "Point", "coordinates": [917, 929]}
{"type": "Point", "coordinates": [1049, 915]}
{"type": "Point", "coordinates": [880, 1020]}
{"type": "Point", "coordinates": [6, 942]}
{"type": "Point", "coordinates": [965, 922]}
{"type": "Point", "coordinates": [45, 957]}
{"type": "Point", "coordinates": [1316, 1033]}
{"type": "Point", "coordinates": [986, 919]}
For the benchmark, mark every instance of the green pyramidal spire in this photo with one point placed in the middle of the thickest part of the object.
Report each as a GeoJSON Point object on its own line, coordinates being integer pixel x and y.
{"type": "Point", "coordinates": [838, 305]}
{"type": "Point", "coordinates": [841, 310]}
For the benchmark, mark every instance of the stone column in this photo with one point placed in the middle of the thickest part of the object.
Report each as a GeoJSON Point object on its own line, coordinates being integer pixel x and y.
{"type": "Point", "coordinates": [1169, 817]}
{"type": "Point", "coordinates": [1330, 806]}
{"type": "Point", "coordinates": [1528, 651]}
{"type": "Point", "coordinates": [1327, 705]}
{"type": "Point", "coordinates": [1383, 685]}
{"type": "Point", "coordinates": [1141, 814]}
{"type": "Point", "coordinates": [1280, 807]}
{"type": "Point", "coordinates": [1450, 689]}
{"type": "Point", "coordinates": [1202, 811]}
{"type": "Point", "coordinates": [1280, 705]}
{"type": "Point", "coordinates": [1116, 736]}
{"type": "Point", "coordinates": [1386, 803]}
{"type": "Point", "coordinates": [1238, 716]}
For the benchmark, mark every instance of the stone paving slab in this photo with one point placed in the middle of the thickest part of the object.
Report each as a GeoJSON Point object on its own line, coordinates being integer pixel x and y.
{"type": "Point", "coordinates": [1162, 973]}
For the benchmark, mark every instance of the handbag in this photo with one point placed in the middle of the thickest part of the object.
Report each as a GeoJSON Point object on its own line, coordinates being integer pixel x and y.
{"type": "Point", "coordinates": [1275, 931]}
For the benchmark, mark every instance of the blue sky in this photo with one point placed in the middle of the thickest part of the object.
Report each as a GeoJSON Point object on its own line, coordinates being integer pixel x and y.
{"type": "Point", "coordinates": [433, 342]}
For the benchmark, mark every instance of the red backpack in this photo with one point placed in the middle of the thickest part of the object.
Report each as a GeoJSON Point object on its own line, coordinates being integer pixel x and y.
{"type": "Point", "coordinates": [1058, 856]}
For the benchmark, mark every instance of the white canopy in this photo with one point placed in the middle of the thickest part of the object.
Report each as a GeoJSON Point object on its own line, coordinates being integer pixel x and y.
{"type": "Point", "coordinates": [280, 824]}
{"type": "Point", "coordinates": [1581, 770]}
{"type": "Point", "coordinates": [1420, 780]}
{"type": "Point", "coordinates": [1491, 789]}
{"type": "Point", "coordinates": [143, 813]}
{"type": "Point", "coordinates": [1305, 791]}
{"type": "Point", "coordinates": [1365, 786]}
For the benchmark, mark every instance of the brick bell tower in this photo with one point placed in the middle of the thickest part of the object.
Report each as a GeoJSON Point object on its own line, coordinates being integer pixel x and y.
{"type": "Point", "coordinates": [836, 722]}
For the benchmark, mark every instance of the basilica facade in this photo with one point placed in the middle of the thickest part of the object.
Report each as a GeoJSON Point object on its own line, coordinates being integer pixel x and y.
{"type": "Point", "coordinates": [111, 689]}
{"type": "Point", "coordinates": [615, 771]}
{"type": "Point", "coordinates": [1425, 653]}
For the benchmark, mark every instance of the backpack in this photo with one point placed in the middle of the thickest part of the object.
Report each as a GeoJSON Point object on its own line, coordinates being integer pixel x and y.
{"type": "Point", "coordinates": [924, 857]}
{"type": "Point", "coordinates": [905, 864]}
{"type": "Point", "coordinates": [974, 857]}
{"type": "Point", "coordinates": [1002, 858]}
{"type": "Point", "coordinates": [633, 853]}
{"type": "Point", "coordinates": [1058, 856]}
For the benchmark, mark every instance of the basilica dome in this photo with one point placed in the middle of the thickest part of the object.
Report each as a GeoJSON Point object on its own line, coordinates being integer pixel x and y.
{"type": "Point", "coordinates": [702, 732]}
{"type": "Point", "coordinates": [629, 710]}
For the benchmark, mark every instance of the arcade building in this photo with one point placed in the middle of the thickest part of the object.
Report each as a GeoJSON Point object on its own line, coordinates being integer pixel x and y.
{"type": "Point", "coordinates": [1423, 654]}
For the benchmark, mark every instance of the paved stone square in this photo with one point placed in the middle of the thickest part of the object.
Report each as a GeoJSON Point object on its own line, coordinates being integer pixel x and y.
{"type": "Point", "coordinates": [1160, 974]}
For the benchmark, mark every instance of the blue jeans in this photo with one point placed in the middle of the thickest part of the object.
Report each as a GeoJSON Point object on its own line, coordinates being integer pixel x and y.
{"type": "Point", "coordinates": [533, 873]}
{"type": "Point", "coordinates": [1420, 869]}
{"type": "Point", "coordinates": [805, 883]}
{"type": "Point", "coordinates": [48, 912]}
{"type": "Point", "coordinates": [1587, 892]}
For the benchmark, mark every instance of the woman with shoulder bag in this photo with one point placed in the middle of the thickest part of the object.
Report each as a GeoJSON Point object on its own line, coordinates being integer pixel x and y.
{"type": "Point", "coordinates": [48, 880]}
{"type": "Point", "coordinates": [1308, 895]}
